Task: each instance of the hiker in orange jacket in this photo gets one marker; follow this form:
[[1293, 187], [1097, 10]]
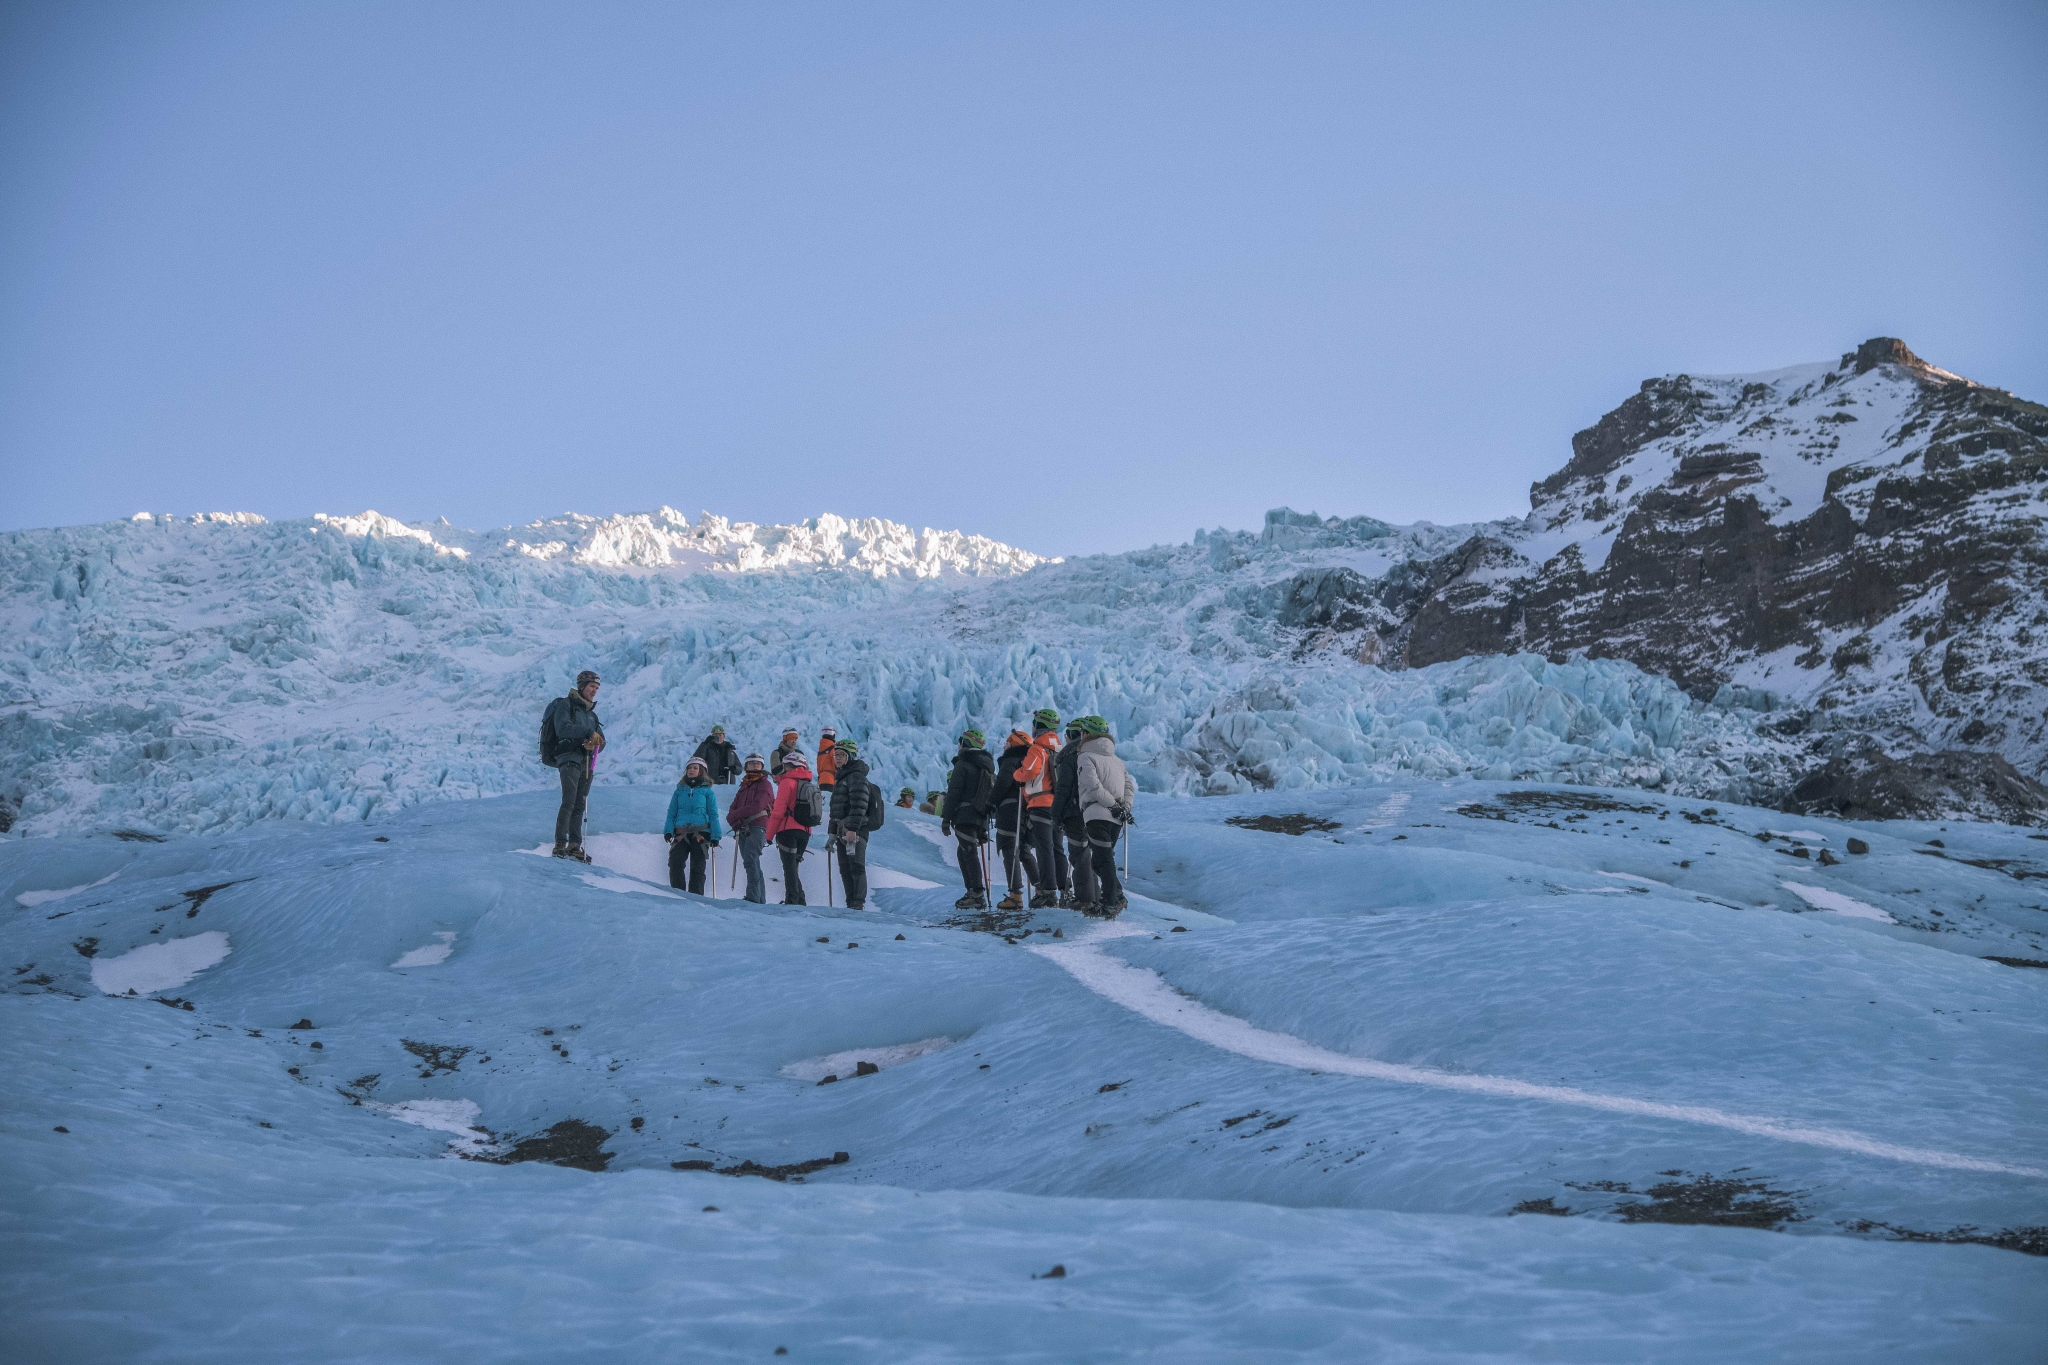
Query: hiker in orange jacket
[[828, 758], [1054, 880]]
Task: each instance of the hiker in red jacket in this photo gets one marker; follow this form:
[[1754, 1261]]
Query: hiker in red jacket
[[748, 817], [790, 823]]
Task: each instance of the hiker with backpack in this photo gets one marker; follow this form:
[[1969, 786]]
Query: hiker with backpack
[[1105, 792], [968, 792], [1035, 777], [748, 815], [827, 767], [692, 828], [721, 757], [857, 811], [799, 809], [792, 743], [1066, 821], [1006, 808], [570, 737]]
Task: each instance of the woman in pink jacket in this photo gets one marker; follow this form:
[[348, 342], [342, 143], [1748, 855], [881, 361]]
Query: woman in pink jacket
[[791, 822]]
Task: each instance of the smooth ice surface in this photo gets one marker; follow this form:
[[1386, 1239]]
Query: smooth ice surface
[[160, 966], [1282, 1110]]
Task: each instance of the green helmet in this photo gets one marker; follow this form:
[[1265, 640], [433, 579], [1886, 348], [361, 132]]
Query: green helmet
[[1045, 718], [973, 739], [1091, 726], [848, 747]]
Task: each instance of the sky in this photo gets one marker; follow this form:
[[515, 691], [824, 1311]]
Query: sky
[[1079, 277]]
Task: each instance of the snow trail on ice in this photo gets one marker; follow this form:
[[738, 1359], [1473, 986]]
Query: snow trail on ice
[[443, 1116], [844, 1063], [1821, 898], [429, 955], [1146, 993], [31, 899], [159, 966]]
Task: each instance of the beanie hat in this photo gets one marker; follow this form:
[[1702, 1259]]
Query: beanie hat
[[848, 747], [788, 730], [1091, 725], [1046, 718], [973, 738], [906, 792], [693, 763], [828, 730], [718, 729], [754, 758], [586, 676]]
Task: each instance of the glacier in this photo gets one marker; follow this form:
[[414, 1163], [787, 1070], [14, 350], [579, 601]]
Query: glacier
[[171, 675], [1470, 1069]]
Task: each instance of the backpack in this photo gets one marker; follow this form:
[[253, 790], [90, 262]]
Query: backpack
[[805, 809], [877, 809], [984, 789], [547, 734]]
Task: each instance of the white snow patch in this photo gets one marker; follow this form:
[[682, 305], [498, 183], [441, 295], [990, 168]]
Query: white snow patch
[[844, 1064], [1807, 834], [429, 955], [1146, 993], [31, 899], [626, 884], [159, 966], [1632, 877], [1820, 898], [444, 1116], [931, 833], [880, 877]]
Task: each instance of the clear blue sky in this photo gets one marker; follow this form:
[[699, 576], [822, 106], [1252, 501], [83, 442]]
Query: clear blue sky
[[1079, 277]]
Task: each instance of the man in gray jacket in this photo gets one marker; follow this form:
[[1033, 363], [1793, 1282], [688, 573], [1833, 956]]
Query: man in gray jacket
[[1104, 791], [570, 736]]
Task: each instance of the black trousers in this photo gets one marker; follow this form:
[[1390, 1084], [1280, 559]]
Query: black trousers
[[687, 854], [968, 840], [853, 871], [790, 844], [1102, 837], [1048, 866], [1083, 862], [1014, 858], [575, 792]]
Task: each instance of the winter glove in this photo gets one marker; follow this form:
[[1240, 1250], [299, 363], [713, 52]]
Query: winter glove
[[946, 828], [1122, 814]]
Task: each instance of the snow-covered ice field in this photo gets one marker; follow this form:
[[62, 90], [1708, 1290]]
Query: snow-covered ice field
[[1288, 1107]]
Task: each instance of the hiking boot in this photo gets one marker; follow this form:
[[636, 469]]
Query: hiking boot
[[1043, 900], [1112, 908], [1083, 908], [1066, 901], [561, 851], [1013, 901], [576, 852], [973, 900]]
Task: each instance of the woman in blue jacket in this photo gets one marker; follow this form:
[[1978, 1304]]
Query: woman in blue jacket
[[692, 828]]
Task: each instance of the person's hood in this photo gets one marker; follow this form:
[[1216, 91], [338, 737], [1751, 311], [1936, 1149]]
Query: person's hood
[[1108, 742]]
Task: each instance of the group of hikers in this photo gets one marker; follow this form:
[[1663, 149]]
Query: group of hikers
[[1056, 811]]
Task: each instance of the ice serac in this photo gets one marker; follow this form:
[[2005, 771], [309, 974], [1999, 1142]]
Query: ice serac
[[1821, 586]]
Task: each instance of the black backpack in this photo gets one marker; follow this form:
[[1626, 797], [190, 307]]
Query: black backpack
[[806, 809], [548, 741], [877, 809]]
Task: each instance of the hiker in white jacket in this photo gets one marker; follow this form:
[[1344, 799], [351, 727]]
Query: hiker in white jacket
[[1105, 792]]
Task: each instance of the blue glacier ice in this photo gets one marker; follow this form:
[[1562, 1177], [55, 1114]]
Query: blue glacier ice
[[1285, 1108]]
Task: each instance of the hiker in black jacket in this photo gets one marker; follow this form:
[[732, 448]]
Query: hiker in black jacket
[[1066, 821], [1004, 809], [851, 797], [570, 736], [968, 792], [721, 757]]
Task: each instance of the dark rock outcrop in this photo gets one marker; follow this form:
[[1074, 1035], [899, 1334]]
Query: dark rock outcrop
[[1870, 785]]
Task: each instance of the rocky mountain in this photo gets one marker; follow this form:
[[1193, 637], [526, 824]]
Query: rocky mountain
[[1862, 546]]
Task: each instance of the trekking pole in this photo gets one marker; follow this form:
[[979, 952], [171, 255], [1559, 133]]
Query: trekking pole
[[734, 880], [828, 873], [714, 872]]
